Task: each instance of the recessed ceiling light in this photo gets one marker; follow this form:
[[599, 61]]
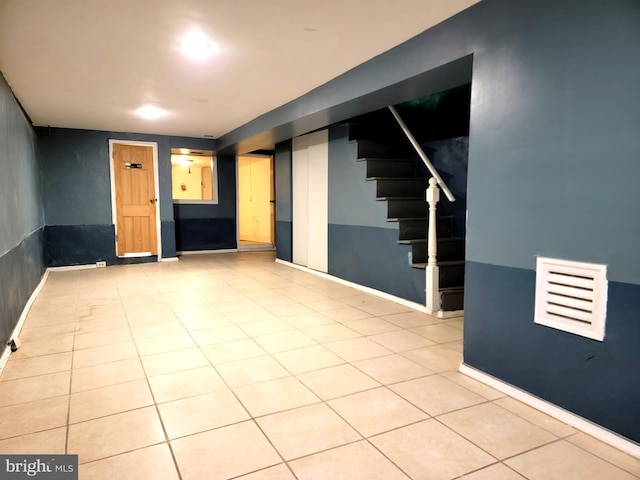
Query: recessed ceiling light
[[150, 112], [197, 46]]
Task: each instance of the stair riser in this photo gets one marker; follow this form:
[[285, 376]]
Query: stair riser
[[451, 301], [391, 168], [368, 149], [407, 208], [416, 229], [451, 276], [448, 251], [401, 188]]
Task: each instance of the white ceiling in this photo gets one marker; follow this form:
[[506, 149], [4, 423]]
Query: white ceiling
[[91, 63]]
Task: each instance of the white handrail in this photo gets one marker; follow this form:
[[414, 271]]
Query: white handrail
[[422, 155]]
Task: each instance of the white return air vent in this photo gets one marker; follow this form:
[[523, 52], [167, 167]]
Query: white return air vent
[[571, 296]]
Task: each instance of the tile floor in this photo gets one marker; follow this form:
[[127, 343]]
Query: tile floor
[[233, 366]]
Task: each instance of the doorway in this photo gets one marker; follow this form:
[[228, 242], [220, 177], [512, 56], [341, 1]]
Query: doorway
[[135, 206], [256, 202]]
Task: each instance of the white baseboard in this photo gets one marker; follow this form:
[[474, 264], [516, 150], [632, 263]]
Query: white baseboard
[[450, 313], [205, 252], [72, 267], [169, 259], [369, 290], [4, 358], [597, 431]]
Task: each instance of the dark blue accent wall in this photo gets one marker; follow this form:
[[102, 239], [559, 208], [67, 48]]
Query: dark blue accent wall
[[209, 226], [21, 218], [284, 213], [77, 192], [553, 168]]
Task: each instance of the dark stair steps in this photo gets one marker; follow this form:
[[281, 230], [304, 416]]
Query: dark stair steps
[[400, 187], [407, 208], [416, 228], [368, 148], [452, 299], [390, 167], [449, 249]]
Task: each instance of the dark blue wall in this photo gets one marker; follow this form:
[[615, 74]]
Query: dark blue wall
[[208, 226], [284, 198], [553, 168], [21, 218], [77, 192]]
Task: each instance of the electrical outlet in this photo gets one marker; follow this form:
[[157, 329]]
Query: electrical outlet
[[101, 264]]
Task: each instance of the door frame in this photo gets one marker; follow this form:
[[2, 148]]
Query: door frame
[[156, 186]]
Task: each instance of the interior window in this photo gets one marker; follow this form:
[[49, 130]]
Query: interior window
[[194, 176]]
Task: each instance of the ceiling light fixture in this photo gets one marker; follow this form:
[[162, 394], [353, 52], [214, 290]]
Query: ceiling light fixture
[[197, 46], [150, 112], [185, 161]]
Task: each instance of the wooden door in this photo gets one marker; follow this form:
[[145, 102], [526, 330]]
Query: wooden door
[[135, 200]]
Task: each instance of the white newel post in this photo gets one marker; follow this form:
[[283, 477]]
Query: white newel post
[[432, 280]]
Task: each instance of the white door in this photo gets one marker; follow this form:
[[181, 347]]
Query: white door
[[311, 200]]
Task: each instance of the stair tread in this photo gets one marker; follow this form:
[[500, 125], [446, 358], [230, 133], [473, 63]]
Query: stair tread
[[382, 159], [451, 290], [399, 198], [413, 179], [409, 241]]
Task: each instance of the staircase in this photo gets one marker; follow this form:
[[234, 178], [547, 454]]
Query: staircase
[[401, 181]]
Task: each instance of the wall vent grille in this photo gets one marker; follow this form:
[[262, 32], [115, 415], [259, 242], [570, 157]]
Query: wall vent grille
[[571, 296]]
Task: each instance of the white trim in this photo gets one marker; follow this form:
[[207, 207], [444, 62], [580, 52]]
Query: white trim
[[561, 414], [369, 290], [156, 186], [137, 254], [73, 267], [205, 252], [170, 259], [450, 313], [4, 358]]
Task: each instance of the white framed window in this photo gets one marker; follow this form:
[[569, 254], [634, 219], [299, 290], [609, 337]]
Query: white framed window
[[194, 176], [571, 296]]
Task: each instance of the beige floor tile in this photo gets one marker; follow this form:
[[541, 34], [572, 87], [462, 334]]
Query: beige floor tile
[[562, 460], [106, 374], [376, 411], [456, 322], [172, 327], [392, 369], [168, 362], [239, 313], [370, 326], [306, 430], [211, 336], [401, 340], [383, 308], [355, 349], [496, 430], [104, 354], [200, 413], [275, 396], [345, 315], [333, 332], [224, 453], [34, 388], [428, 450], [187, 383], [357, 461], [494, 472], [49, 441], [37, 348], [265, 327], [285, 310], [279, 472], [29, 334], [436, 395], [327, 305], [100, 324], [606, 452], [104, 401], [536, 417], [43, 320], [410, 319], [308, 359], [284, 341], [164, 343], [233, 350], [153, 462], [337, 381], [251, 370], [473, 385], [30, 367], [308, 320], [105, 337], [107, 436], [356, 299], [31, 417], [436, 358], [439, 333]]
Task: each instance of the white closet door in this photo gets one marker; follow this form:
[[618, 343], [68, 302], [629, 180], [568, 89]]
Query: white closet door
[[311, 200]]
